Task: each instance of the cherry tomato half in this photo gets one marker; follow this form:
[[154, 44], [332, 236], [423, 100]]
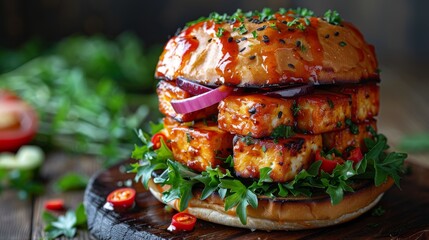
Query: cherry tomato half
[[156, 140], [54, 204], [18, 122], [355, 155], [328, 165], [122, 197], [183, 221]]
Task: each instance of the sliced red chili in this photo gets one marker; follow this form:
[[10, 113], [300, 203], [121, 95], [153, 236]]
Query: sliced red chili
[[156, 140], [328, 164], [122, 197], [183, 221], [54, 204]]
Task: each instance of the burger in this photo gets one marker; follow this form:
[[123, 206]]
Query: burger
[[270, 122]]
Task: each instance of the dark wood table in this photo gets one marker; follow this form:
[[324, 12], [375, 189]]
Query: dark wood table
[[404, 99]]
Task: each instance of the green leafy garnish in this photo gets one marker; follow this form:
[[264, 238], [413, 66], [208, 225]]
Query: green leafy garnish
[[376, 166], [332, 17], [65, 225], [219, 32]]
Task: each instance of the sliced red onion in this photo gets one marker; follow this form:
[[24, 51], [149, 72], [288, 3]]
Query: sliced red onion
[[191, 87], [291, 92], [201, 101]]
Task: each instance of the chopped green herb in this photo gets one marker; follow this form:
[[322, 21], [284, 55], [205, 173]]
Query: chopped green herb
[[264, 148], [189, 138], [254, 34], [331, 104], [354, 129], [295, 108], [273, 26], [219, 32], [332, 17], [282, 131], [242, 29], [248, 140], [342, 44]]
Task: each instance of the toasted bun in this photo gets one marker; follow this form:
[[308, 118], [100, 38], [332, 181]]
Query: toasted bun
[[285, 213], [322, 53]]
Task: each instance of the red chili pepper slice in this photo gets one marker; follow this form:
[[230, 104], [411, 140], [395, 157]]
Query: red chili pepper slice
[[183, 221], [54, 204], [122, 197], [156, 140], [328, 165]]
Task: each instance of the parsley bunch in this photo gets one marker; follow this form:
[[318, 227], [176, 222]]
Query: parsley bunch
[[377, 166]]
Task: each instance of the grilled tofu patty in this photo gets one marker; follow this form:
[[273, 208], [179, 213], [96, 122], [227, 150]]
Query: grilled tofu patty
[[352, 136], [198, 146], [365, 100], [322, 112], [286, 157], [254, 115], [168, 91]]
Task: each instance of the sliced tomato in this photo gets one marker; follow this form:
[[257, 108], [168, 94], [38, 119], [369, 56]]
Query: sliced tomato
[[355, 155], [328, 164], [122, 197], [156, 140], [54, 204], [183, 221], [8, 96], [18, 123]]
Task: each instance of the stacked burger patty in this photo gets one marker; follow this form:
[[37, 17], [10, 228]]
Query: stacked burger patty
[[261, 131], [297, 83]]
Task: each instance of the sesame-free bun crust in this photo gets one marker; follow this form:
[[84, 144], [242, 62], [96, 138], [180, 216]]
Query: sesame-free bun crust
[[322, 53], [290, 213]]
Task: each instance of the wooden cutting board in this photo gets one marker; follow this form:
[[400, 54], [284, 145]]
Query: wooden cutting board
[[406, 215]]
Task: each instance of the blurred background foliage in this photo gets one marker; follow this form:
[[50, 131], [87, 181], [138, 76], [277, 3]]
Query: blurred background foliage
[[90, 92]]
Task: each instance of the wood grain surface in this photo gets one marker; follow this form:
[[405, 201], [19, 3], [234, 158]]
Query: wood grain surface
[[406, 215]]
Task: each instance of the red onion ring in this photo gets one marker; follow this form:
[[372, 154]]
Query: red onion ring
[[192, 87], [201, 101]]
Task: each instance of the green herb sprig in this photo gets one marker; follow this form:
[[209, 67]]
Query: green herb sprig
[[332, 17], [64, 225]]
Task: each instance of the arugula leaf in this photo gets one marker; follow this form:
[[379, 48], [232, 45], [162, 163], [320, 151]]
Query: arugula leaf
[[155, 128], [177, 176], [210, 179], [71, 181], [239, 196]]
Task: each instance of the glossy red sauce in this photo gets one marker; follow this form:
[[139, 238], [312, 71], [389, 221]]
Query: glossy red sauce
[[309, 56]]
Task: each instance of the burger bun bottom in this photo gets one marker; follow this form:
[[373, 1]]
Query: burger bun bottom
[[289, 213]]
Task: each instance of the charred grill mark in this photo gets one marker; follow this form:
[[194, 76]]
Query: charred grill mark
[[295, 144]]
